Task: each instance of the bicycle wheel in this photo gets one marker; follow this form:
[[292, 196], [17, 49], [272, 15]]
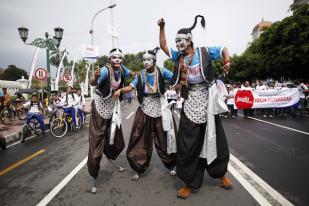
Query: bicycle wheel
[[5, 116], [58, 127], [21, 114], [24, 133], [35, 125]]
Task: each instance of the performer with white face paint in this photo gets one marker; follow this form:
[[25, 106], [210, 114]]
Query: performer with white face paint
[[107, 80], [198, 148], [147, 126]]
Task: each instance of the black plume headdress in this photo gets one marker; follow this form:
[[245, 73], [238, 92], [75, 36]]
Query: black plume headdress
[[188, 30], [152, 53]]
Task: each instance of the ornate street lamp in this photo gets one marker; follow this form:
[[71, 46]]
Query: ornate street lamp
[[48, 43]]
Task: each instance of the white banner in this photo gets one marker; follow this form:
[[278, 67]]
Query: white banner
[[247, 99], [88, 51], [86, 79], [72, 72], [58, 75], [34, 59], [112, 31]]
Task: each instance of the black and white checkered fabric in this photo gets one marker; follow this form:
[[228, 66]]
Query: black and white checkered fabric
[[104, 106], [195, 107], [152, 106]]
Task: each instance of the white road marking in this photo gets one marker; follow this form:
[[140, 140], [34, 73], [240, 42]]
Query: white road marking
[[258, 196], [27, 138], [276, 195], [130, 115], [61, 185], [278, 125], [252, 191]]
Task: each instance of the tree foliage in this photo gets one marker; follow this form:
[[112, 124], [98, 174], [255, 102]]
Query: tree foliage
[[55, 58], [13, 73], [281, 51]]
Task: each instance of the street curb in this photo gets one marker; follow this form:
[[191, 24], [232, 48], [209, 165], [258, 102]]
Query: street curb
[[14, 137]]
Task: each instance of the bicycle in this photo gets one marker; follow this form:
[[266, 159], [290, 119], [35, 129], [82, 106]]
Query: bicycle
[[9, 114], [33, 127], [59, 125]]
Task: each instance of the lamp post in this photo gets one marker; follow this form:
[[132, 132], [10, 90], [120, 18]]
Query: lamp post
[[48, 43], [91, 26]]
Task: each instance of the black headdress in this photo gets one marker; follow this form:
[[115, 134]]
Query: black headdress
[[152, 53], [186, 32]]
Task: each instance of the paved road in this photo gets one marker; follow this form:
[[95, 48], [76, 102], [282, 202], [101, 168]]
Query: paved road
[[279, 156], [275, 154]]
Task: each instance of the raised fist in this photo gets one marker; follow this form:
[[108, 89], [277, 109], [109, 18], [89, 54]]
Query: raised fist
[[161, 22], [97, 72]]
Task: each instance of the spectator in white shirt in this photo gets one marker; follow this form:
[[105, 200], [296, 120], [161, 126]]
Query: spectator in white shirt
[[69, 101], [246, 86], [230, 101], [301, 88], [34, 110], [80, 105]]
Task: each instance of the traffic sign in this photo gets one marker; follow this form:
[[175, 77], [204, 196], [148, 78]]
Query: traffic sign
[[40, 73], [66, 77]]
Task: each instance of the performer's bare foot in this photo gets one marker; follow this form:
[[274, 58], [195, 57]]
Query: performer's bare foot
[[120, 169], [226, 183], [94, 189], [173, 172], [135, 177], [184, 192]]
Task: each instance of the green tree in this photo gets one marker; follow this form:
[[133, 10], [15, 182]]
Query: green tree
[[55, 58], [281, 51], [169, 64], [13, 73]]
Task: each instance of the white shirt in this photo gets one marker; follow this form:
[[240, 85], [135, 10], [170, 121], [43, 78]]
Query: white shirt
[[230, 100], [262, 87], [34, 109], [246, 88], [301, 89], [80, 103], [71, 102]]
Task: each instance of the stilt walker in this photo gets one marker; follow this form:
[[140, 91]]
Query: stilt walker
[[201, 141], [107, 80], [147, 126]]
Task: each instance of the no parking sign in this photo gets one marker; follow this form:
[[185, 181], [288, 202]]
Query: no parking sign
[[66, 77], [40, 73]]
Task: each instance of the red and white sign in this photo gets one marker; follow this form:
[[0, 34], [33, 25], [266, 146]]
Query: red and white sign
[[40, 73], [66, 77], [244, 99], [247, 99]]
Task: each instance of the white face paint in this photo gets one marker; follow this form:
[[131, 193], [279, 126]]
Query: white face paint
[[148, 62], [116, 60], [182, 44]]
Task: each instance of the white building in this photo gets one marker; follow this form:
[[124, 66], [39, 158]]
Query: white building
[[13, 86], [258, 29]]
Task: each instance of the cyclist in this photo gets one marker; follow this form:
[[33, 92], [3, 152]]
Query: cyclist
[[7, 101], [7, 98], [80, 105], [35, 109], [69, 101], [56, 103]]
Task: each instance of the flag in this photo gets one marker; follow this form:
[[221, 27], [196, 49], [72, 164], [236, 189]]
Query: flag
[[112, 31]]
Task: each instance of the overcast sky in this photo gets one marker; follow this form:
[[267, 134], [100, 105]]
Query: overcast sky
[[228, 23]]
